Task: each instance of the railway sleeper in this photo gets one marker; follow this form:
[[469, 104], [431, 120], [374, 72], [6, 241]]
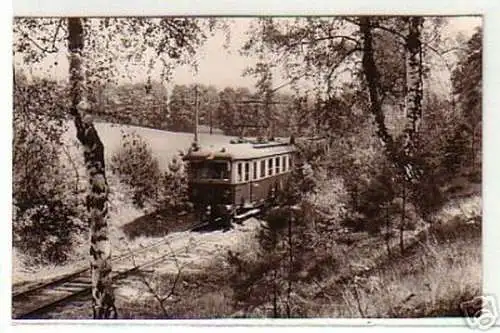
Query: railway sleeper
[[85, 281], [74, 284], [70, 289]]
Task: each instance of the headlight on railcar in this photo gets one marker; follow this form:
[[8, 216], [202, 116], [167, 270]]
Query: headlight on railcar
[[226, 195]]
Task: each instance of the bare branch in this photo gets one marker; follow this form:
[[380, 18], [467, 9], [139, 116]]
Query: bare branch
[[59, 25], [301, 43], [392, 31], [353, 21], [148, 285], [377, 26], [38, 46], [53, 48], [288, 83], [174, 285], [72, 162], [336, 66]]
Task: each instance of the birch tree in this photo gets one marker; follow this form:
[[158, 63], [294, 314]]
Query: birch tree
[[103, 302]]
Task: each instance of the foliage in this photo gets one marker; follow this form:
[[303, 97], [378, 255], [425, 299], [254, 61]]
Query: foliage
[[287, 243], [48, 211], [119, 46], [174, 188], [47, 232], [467, 80], [183, 102], [464, 145], [132, 104], [136, 166]]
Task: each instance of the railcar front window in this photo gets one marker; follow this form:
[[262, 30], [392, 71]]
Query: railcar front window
[[213, 170], [270, 166]]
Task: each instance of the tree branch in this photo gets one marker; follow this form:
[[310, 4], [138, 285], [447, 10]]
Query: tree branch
[[377, 26], [72, 162], [336, 66], [53, 48], [38, 46], [301, 43], [392, 31], [149, 286]]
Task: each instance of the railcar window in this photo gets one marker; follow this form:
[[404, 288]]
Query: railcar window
[[240, 173], [262, 168], [277, 165], [247, 171], [284, 163], [289, 163], [270, 167], [254, 170], [214, 170]]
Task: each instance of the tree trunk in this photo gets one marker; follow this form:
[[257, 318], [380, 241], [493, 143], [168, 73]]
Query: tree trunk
[[275, 294], [403, 218], [387, 230], [414, 89], [290, 264], [403, 160], [97, 198], [373, 80]]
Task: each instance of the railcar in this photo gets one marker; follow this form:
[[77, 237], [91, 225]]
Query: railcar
[[237, 179]]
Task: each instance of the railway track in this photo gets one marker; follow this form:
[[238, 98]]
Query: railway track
[[32, 302]]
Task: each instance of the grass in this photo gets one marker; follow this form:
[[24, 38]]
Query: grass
[[441, 270], [433, 283]]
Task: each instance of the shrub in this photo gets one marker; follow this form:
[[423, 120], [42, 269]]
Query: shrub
[[47, 232], [173, 194], [368, 207], [47, 214], [136, 166]]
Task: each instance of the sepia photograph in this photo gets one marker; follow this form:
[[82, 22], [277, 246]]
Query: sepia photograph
[[224, 167]]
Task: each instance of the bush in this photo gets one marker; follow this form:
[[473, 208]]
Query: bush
[[369, 204], [173, 194], [136, 166], [47, 214], [47, 232]]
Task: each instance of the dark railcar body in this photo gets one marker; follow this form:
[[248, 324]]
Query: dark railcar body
[[239, 175]]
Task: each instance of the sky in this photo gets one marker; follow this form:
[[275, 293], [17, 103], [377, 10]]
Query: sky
[[220, 67], [213, 58]]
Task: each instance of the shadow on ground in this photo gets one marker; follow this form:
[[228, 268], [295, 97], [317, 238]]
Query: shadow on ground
[[161, 223], [158, 224]]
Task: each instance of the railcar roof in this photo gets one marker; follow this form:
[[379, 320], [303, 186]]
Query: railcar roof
[[241, 151]]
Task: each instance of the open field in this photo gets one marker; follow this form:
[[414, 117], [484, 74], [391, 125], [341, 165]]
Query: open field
[[164, 144]]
